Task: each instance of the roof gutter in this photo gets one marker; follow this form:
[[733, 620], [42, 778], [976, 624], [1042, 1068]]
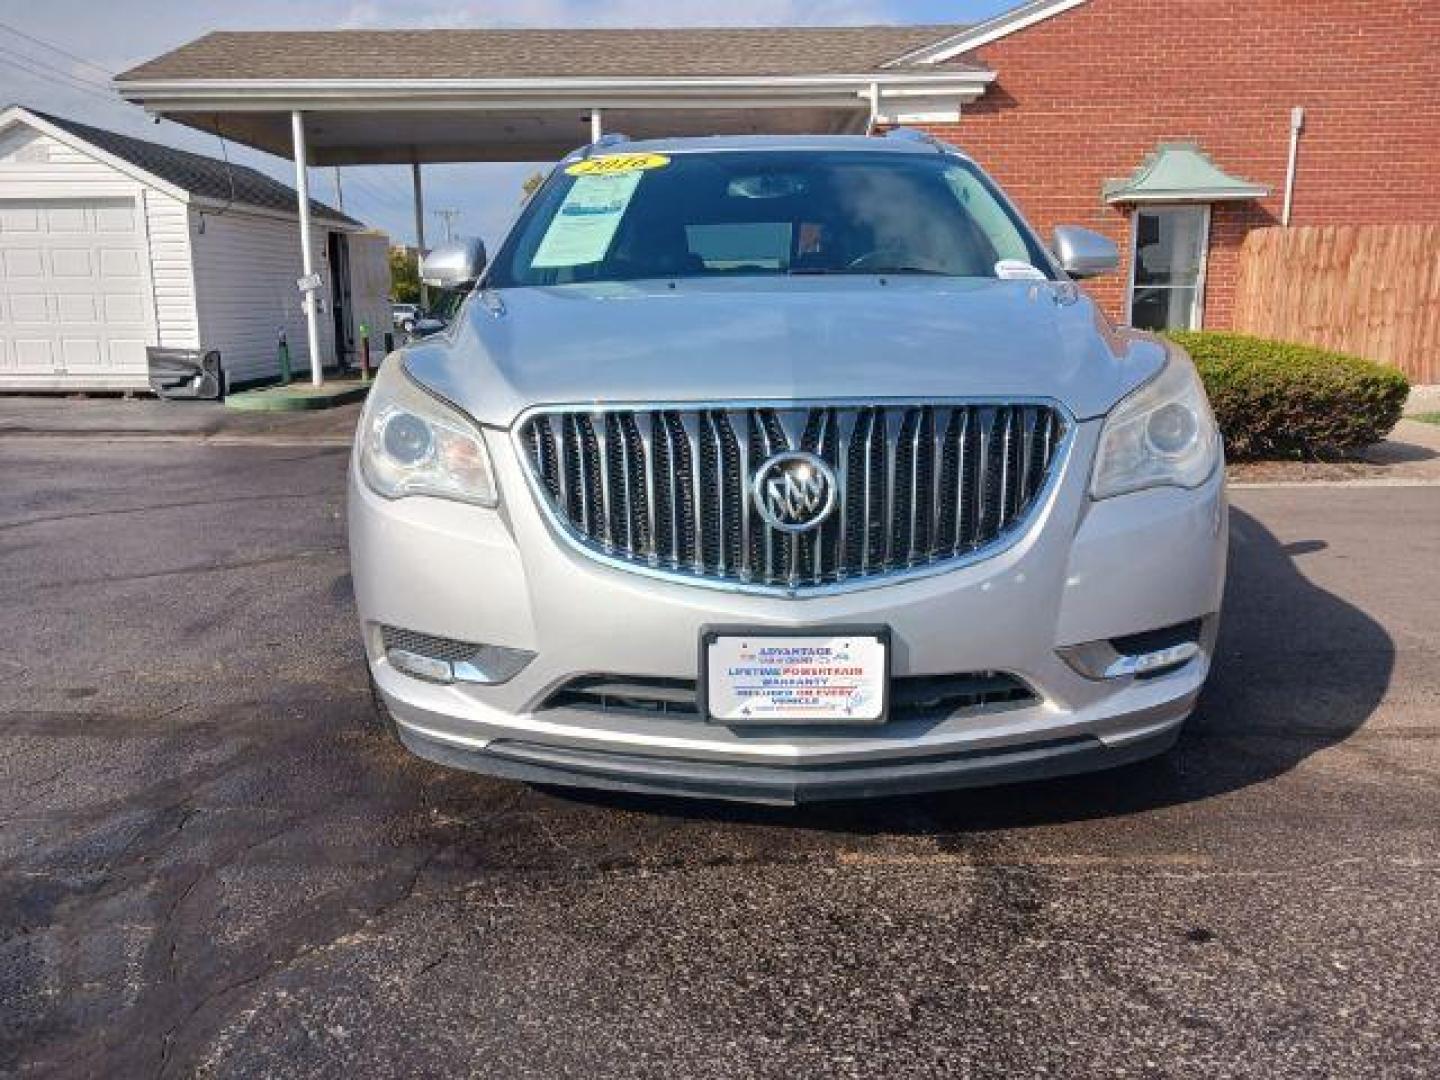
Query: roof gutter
[[983, 33], [270, 94]]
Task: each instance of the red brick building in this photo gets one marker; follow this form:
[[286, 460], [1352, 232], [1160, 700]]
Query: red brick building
[[1085, 90], [1167, 125]]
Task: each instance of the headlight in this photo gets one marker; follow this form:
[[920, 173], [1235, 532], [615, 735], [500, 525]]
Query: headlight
[[412, 443], [1163, 434]]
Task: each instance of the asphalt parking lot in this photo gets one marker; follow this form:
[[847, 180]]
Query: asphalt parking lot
[[210, 864]]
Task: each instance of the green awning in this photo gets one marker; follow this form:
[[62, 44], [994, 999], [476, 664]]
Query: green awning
[[1181, 172]]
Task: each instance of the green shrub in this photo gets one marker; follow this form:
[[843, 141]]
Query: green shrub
[[1274, 399]]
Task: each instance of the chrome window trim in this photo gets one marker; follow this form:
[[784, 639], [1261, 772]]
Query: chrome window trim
[[1021, 528]]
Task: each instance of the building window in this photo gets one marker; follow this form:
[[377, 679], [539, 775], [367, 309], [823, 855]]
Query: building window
[[1167, 267]]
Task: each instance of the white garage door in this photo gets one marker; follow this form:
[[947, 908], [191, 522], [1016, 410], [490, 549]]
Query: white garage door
[[73, 293]]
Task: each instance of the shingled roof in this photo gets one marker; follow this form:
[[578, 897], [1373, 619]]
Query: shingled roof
[[197, 174], [538, 54]]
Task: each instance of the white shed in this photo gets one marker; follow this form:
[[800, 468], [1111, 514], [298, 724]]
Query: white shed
[[110, 244]]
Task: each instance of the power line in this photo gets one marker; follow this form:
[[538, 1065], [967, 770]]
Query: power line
[[59, 78], [57, 49], [375, 195], [390, 182], [61, 73]]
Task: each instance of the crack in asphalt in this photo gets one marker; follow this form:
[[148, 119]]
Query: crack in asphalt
[[279, 965], [83, 515], [192, 571]]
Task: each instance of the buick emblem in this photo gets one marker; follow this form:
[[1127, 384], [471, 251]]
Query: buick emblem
[[794, 491]]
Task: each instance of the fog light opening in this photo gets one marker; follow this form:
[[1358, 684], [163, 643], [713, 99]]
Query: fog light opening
[[1145, 655], [445, 660], [1149, 664], [421, 667]]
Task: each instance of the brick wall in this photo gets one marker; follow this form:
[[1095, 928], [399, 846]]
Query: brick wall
[[1085, 95]]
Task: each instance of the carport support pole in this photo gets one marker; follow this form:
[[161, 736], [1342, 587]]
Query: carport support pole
[[597, 125], [302, 193], [420, 229]]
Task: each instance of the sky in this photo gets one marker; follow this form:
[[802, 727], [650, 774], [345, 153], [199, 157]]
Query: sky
[[57, 55]]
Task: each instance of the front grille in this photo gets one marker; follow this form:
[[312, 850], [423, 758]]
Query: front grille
[[916, 697], [669, 489], [617, 693]]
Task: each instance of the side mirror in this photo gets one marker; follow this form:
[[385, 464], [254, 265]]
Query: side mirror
[[455, 265], [426, 326], [1084, 253]]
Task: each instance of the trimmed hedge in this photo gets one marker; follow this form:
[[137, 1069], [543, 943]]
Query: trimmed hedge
[[1275, 399]]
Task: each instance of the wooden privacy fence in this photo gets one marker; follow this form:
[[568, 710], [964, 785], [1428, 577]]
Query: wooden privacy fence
[[1369, 290]]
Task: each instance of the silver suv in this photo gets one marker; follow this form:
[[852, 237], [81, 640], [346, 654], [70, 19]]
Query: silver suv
[[783, 469]]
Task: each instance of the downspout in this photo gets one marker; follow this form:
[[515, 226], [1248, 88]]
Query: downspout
[[1297, 123]]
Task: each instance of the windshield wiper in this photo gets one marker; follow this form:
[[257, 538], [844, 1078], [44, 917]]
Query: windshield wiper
[[867, 271]]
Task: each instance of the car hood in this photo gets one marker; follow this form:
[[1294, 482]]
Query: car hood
[[790, 338]]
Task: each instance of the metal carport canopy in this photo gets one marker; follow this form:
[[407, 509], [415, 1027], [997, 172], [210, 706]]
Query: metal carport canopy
[[360, 97], [396, 97]]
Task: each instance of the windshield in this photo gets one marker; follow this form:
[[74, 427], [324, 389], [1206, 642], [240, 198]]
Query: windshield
[[621, 217]]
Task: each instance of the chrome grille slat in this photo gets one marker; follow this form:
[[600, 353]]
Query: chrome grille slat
[[690, 427], [669, 488], [869, 493], [647, 451], [912, 542], [673, 473], [583, 458], [889, 463], [626, 496], [600, 424], [742, 445], [1002, 501], [562, 442], [722, 492], [846, 423], [962, 475], [939, 432], [985, 427]]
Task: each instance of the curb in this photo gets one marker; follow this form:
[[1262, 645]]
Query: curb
[[295, 399], [1359, 482]]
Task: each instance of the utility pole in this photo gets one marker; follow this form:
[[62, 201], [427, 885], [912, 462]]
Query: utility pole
[[448, 218], [420, 229], [339, 192]]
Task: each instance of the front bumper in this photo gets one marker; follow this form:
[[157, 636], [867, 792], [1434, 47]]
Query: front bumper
[[538, 763], [1083, 572]]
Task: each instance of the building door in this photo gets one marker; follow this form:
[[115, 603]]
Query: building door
[[339, 254], [1167, 267], [74, 299]]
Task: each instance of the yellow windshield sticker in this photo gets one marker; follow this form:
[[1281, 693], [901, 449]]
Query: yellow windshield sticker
[[610, 164]]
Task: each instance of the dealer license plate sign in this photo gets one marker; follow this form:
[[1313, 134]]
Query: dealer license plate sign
[[770, 678]]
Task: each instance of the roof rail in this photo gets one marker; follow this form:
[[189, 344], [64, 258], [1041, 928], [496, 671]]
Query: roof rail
[[613, 138], [910, 134], [610, 138]]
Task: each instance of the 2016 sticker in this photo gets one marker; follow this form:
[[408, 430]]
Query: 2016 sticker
[[610, 164]]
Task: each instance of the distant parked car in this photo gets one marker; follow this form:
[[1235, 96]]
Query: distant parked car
[[405, 316]]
